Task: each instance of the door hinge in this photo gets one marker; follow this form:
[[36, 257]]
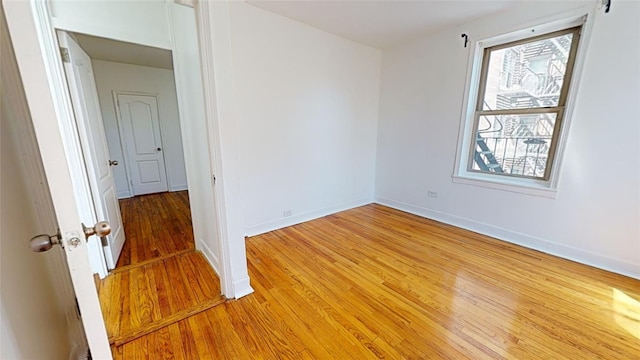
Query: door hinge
[[214, 179], [64, 53]]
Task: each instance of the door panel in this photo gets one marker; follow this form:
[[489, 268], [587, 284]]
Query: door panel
[[140, 133], [84, 97], [37, 54]]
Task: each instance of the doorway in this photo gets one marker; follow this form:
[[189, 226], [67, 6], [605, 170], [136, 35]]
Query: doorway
[[165, 25], [122, 109], [130, 90]]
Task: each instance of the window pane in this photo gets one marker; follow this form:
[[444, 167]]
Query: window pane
[[513, 144], [528, 75]]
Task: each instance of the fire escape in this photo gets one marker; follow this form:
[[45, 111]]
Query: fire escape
[[531, 76]]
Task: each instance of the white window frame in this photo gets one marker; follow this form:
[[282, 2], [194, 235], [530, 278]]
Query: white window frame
[[537, 187]]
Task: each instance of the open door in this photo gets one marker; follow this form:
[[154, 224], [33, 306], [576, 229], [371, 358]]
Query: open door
[[42, 74], [84, 95]]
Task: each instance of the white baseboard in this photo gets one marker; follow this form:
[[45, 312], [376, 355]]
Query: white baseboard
[[179, 187], [209, 255], [242, 288], [304, 217], [550, 247], [124, 194]]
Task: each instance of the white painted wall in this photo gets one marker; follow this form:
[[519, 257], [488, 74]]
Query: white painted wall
[[307, 109], [196, 138], [113, 76], [594, 218], [137, 21]]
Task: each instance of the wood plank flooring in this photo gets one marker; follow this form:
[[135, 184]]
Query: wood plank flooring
[[160, 279], [166, 216], [373, 283], [139, 300]]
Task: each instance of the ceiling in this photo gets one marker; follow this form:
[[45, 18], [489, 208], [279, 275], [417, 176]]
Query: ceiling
[[380, 24], [384, 23], [128, 53]]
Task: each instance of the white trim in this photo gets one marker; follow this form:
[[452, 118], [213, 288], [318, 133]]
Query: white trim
[[242, 288], [546, 246], [303, 217], [209, 254], [124, 194], [178, 187], [584, 16], [505, 183]]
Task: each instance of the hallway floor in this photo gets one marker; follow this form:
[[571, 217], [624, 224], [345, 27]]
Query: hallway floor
[[165, 215], [160, 278]]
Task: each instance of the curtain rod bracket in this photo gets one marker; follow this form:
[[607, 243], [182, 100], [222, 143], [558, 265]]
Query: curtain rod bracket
[[466, 39]]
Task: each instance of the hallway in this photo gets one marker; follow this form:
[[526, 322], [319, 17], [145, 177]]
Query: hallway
[[160, 278], [165, 215]]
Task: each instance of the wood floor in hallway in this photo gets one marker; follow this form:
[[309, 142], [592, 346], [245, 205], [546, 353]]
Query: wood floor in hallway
[[373, 283], [161, 279], [165, 215]]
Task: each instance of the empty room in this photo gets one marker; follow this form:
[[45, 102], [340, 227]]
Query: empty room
[[366, 180]]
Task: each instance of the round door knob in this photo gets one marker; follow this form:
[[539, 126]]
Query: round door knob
[[159, 149], [43, 242], [113, 162], [100, 229]]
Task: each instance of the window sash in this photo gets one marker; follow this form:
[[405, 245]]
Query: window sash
[[552, 145], [558, 110]]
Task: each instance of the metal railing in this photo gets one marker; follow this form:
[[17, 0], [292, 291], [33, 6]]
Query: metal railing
[[525, 156]]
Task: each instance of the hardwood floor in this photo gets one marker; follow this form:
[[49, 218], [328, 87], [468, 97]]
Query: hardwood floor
[[162, 279], [166, 216], [143, 298], [374, 282]]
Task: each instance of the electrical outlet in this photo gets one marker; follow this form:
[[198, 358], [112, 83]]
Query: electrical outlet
[[286, 213], [433, 194]]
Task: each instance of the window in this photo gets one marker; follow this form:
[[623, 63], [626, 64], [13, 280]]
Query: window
[[520, 105]]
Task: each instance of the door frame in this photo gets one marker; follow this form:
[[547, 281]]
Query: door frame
[[45, 30], [123, 146], [50, 103]]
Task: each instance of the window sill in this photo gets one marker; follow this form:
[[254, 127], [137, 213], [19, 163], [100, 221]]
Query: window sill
[[516, 185]]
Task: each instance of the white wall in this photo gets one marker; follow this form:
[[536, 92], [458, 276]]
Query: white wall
[[113, 76], [594, 218], [307, 108], [137, 21]]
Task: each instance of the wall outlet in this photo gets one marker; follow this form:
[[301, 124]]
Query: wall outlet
[[433, 194], [286, 213]]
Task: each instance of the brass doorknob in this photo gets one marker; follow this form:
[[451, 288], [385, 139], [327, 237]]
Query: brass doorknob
[[100, 229], [44, 242]]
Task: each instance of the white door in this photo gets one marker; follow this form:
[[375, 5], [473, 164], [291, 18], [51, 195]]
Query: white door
[[84, 96], [140, 133], [41, 71]]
